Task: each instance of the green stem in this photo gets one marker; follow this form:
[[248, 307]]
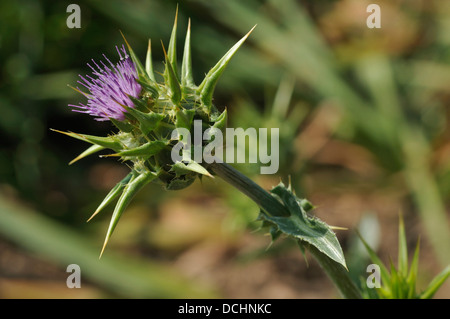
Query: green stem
[[248, 187], [336, 272]]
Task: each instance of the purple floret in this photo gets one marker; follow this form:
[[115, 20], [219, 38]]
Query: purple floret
[[109, 87]]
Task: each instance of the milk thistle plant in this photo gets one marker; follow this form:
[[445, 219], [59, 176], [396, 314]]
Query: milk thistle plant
[[147, 112]]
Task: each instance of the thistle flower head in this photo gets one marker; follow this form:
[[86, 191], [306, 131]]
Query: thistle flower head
[[146, 113], [109, 88]]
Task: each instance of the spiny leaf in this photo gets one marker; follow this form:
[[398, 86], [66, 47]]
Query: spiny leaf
[[142, 73], [122, 125], [147, 121], [275, 233], [112, 194], [301, 245], [91, 150], [107, 142], [177, 183], [172, 80], [187, 79], [145, 150], [206, 88], [139, 104], [149, 88], [171, 57], [307, 229], [184, 118], [221, 121], [149, 62], [181, 168], [283, 97], [308, 206], [137, 182]]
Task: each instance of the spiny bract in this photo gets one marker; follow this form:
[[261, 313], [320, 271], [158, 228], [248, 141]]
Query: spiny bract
[[146, 113]]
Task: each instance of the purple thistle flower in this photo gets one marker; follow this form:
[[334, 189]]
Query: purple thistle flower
[[109, 89]]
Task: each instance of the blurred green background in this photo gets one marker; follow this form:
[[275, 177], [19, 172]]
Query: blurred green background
[[364, 135]]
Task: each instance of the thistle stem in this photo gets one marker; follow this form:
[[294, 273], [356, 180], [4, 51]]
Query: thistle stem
[[336, 272], [248, 187]]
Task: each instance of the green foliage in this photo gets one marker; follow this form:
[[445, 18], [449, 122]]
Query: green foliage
[[387, 101], [400, 282], [370, 75], [298, 225], [145, 137], [137, 181], [130, 277]]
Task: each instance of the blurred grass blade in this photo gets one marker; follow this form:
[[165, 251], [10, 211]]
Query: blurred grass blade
[[402, 249], [128, 277], [394, 282], [385, 277], [413, 270], [283, 97], [435, 284], [424, 186]]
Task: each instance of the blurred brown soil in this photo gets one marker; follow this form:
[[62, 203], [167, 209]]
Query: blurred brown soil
[[194, 234]]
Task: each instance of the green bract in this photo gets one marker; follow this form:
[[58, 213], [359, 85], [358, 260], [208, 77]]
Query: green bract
[[145, 136]]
